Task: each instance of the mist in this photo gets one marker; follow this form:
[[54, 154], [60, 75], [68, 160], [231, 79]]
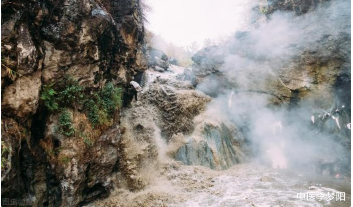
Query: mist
[[282, 135], [183, 22]]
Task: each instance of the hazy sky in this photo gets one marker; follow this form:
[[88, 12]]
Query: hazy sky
[[184, 21]]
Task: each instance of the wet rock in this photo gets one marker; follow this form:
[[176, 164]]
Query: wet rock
[[219, 148], [196, 153]]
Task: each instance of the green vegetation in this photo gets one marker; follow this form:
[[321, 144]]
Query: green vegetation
[[71, 93], [65, 123], [87, 140], [67, 93], [95, 111], [111, 97], [4, 155], [100, 108], [62, 94], [49, 97]]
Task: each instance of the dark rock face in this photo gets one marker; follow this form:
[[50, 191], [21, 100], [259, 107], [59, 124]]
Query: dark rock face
[[93, 42]]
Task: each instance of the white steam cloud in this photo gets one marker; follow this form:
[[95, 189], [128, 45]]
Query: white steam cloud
[[283, 136]]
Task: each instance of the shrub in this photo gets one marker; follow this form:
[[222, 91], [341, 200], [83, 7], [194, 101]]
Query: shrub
[[111, 96], [64, 93], [49, 97], [71, 92], [65, 123], [92, 111], [100, 107]]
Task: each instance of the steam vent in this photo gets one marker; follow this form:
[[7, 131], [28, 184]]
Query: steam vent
[[180, 103]]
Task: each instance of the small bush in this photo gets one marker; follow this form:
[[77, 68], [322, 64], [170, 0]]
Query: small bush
[[92, 108], [64, 93], [101, 107], [71, 92], [65, 123], [111, 96], [49, 97]]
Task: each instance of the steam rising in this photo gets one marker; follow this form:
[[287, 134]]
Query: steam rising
[[282, 136]]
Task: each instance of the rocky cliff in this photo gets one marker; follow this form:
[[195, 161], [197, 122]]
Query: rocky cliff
[[71, 132], [65, 67]]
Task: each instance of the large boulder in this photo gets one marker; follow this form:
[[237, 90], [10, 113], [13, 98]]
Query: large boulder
[[178, 106], [21, 99]]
